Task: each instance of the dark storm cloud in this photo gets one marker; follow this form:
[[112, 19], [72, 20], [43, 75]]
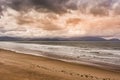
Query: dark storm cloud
[[52, 5], [55, 5], [95, 7]]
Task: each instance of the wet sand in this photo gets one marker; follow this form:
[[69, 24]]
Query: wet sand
[[15, 66]]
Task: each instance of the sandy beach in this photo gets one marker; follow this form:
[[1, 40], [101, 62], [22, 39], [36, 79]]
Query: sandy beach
[[16, 66]]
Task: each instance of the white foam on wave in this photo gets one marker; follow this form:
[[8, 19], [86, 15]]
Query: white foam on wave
[[76, 53]]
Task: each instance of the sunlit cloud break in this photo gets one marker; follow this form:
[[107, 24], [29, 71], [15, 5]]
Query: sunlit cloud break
[[60, 18]]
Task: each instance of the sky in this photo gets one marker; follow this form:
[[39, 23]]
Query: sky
[[60, 18]]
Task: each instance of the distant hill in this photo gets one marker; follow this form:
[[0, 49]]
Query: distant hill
[[88, 39], [6, 38], [114, 39], [69, 39], [44, 39]]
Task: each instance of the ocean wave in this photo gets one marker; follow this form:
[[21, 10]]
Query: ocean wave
[[69, 53]]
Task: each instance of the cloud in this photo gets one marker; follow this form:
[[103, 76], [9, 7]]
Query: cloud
[[94, 7], [43, 18], [50, 5]]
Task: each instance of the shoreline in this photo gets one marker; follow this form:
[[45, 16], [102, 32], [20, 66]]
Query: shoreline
[[72, 54], [100, 65], [58, 70]]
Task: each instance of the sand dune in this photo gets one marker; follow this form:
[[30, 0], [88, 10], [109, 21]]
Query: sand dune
[[14, 66]]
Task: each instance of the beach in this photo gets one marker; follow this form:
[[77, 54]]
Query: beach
[[59, 39], [15, 66]]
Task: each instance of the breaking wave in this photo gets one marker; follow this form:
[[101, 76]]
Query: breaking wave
[[93, 56]]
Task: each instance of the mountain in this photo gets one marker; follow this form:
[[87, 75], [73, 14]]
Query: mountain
[[69, 39], [44, 39], [114, 39], [6, 38], [88, 39]]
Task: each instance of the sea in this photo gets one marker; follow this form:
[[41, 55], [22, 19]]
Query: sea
[[102, 54]]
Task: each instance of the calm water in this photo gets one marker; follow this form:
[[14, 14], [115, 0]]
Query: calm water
[[86, 52]]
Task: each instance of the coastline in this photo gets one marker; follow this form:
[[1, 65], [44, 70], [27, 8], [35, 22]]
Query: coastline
[[101, 58], [28, 67]]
